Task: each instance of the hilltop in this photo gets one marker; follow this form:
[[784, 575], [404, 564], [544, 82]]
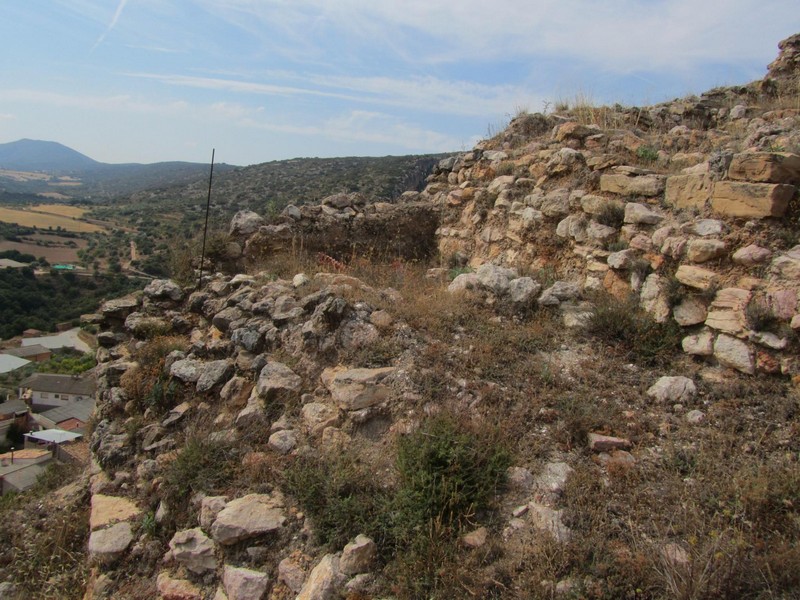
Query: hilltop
[[567, 367]]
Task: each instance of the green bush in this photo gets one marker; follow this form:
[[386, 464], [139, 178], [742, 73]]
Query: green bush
[[339, 495], [449, 471], [647, 154], [203, 465]]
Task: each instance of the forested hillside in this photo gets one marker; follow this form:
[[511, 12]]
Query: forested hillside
[[40, 302]]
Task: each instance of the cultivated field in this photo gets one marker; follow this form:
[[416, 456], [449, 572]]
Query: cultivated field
[[27, 218], [54, 254], [60, 209]]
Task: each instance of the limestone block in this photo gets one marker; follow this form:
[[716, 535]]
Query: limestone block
[[751, 200], [700, 344], [734, 353], [703, 250]]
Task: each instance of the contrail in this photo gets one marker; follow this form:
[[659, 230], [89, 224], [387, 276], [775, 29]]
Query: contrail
[[111, 25]]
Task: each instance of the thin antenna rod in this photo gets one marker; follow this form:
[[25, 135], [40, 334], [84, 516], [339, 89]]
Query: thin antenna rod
[[205, 227]]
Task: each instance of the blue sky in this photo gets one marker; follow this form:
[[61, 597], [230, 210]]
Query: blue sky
[[260, 80]]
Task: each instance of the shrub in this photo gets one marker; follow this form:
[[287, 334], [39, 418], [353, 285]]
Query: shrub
[[626, 326], [202, 465], [647, 154], [611, 214], [449, 470], [761, 318], [339, 495]]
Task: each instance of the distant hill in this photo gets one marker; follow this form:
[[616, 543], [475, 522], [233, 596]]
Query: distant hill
[[89, 179], [38, 155]]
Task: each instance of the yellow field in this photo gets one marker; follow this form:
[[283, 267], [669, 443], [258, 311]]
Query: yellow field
[[60, 209], [28, 218]]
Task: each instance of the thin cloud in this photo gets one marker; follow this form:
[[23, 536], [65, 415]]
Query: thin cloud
[[112, 24], [428, 94], [619, 35]]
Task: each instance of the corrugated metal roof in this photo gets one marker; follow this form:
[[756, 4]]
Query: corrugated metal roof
[[25, 351], [54, 435], [59, 384], [10, 363], [80, 409], [13, 406]]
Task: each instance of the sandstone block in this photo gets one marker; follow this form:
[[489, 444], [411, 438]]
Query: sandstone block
[[641, 214], [605, 443], [672, 389], [107, 545], [751, 200], [641, 185], [355, 389], [696, 277], [767, 167], [244, 584], [323, 580], [751, 255], [686, 191], [111, 509], [727, 311], [358, 556], [690, 311]]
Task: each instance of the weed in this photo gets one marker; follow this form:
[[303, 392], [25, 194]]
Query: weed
[[626, 326], [647, 154], [611, 214], [616, 246], [203, 465], [505, 168], [340, 496], [760, 317], [449, 470]]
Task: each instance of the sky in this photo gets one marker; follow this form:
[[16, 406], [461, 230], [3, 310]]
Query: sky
[[260, 80]]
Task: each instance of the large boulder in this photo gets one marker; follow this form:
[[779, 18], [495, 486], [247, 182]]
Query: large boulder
[[245, 222]]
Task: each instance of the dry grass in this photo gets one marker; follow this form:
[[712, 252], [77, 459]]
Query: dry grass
[[63, 210], [27, 218]]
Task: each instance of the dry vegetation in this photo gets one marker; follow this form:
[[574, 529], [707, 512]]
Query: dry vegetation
[[27, 218]]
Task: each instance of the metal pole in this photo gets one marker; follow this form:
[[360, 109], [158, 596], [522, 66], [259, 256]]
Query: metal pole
[[205, 227]]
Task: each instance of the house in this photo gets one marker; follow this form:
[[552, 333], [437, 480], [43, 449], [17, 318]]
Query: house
[[56, 441], [34, 352], [10, 363], [13, 411], [19, 469], [71, 417], [44, 391]]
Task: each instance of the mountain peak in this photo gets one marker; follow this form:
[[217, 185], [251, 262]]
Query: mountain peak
[[39, 155]]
